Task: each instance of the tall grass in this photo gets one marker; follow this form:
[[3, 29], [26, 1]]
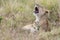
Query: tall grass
[[21, 11], [16, 13]]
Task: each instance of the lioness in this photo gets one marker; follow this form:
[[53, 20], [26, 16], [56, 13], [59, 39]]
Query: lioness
[[41, 15]]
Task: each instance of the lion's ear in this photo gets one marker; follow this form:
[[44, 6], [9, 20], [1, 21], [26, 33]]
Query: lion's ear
[[46, 11]]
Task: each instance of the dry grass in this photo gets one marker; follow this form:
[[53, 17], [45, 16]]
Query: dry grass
[[14, 14]]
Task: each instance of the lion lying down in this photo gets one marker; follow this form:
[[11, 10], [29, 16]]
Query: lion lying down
[[41, 21], [31, 28]]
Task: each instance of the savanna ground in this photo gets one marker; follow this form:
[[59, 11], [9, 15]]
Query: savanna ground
[[14, 14]]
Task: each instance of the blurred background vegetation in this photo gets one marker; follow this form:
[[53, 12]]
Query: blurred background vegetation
[[21, 11], [17, 13]]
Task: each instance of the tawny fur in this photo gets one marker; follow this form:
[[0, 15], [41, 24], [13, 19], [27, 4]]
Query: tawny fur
[[42, 18], [31, 28]]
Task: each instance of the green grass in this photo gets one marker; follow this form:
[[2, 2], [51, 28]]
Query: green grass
[[0, 19], [17, 13]]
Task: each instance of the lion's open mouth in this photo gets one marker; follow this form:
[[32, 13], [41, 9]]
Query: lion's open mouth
[[36, 10]]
